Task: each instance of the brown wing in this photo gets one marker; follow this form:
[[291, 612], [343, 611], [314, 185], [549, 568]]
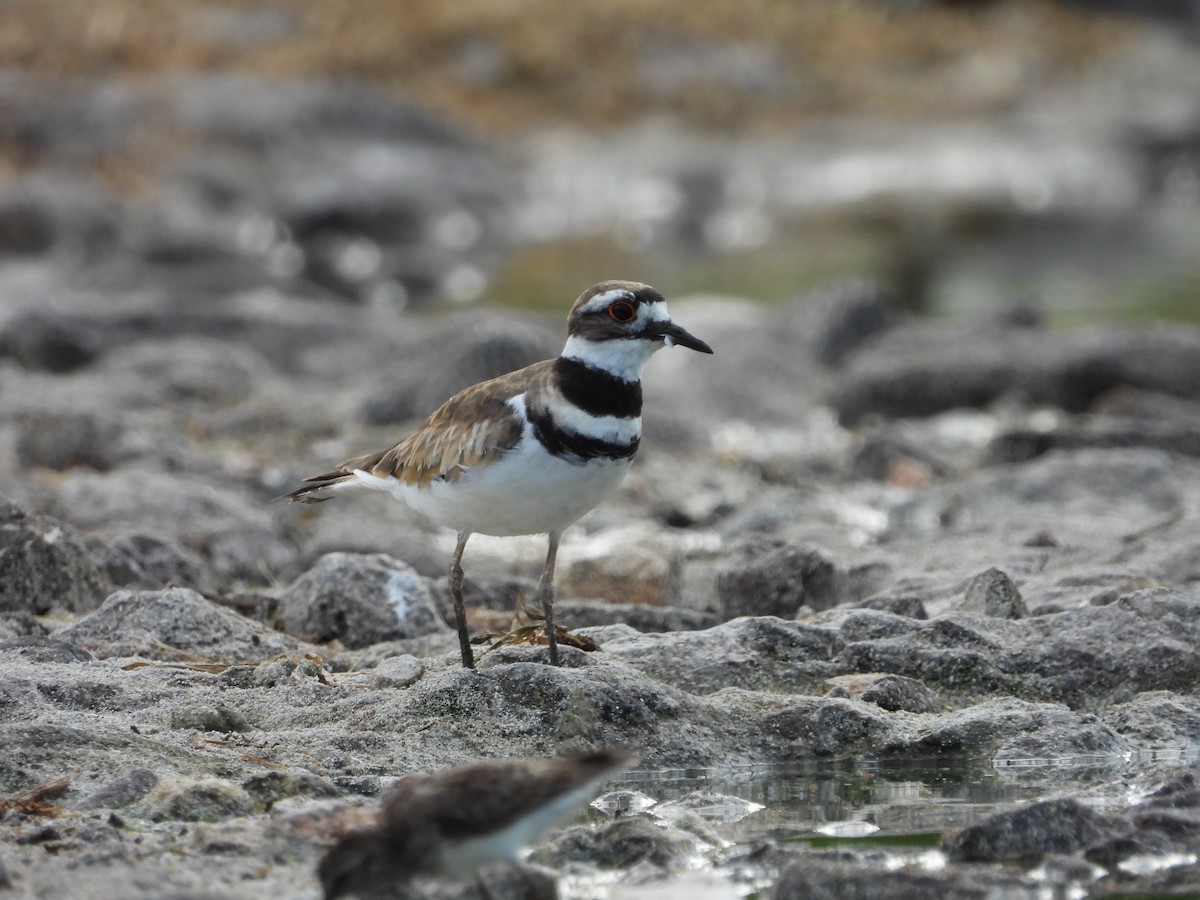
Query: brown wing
[[472, 429], [472, 800]]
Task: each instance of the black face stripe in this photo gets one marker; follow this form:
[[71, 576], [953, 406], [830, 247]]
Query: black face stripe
[[576, 448], [649, 295], [601, 328], [597, 392]]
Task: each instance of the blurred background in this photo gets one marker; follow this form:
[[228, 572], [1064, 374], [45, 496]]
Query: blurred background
[[975, 157]]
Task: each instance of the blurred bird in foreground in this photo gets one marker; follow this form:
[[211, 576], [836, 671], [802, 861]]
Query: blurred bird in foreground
[[453, 822]]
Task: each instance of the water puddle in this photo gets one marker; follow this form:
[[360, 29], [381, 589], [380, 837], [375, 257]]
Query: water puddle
[[804, 802], [897, 812]]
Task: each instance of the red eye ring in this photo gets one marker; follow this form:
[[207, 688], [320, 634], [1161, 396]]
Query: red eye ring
[[622, 311]]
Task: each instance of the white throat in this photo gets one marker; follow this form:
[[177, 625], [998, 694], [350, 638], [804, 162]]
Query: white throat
[[623, 358]]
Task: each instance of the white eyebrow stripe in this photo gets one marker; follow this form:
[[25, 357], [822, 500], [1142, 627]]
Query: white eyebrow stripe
[[601, 301]]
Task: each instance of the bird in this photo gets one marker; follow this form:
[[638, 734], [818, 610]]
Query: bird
[[532, 451], [457, 820]]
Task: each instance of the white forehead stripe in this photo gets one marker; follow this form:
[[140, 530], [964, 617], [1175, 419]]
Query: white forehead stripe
[[653, 312]]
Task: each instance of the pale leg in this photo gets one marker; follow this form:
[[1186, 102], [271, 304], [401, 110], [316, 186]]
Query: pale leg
[[456, 594], [546, 593]]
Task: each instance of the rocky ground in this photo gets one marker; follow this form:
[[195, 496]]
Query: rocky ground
[[852, 534]]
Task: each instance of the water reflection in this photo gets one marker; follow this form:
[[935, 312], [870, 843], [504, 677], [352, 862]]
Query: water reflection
[[912, 798], [890, 814]]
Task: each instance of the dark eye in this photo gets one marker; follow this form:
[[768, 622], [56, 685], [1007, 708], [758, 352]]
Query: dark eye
[[622, 311]]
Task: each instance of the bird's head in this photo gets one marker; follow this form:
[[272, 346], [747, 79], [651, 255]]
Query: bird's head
[[618, 325]]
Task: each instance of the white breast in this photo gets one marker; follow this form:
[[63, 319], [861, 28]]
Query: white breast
[[527, 491]]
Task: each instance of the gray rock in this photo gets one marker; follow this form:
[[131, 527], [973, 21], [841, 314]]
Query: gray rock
[[815, 878], [122, 791], [887, 458], [628, 569], [1181, 562], [273, 672], [75, 121], [232, 532], [618, 845], [25, 226], [1053, 826], [209, 718], [460, 353], [823, 727], [768, 576], [1142, 642], [1155, 719], [1079, 744], [65, 440], [575, 614], [359, 600], [1023, 444], [398, 672], [896, 693], [901, 604], [1078, 498], [19, 625], [919, 371], [1149, 407], [993, 593], [357, 527], [870, 578], [195, 800], [857, 624], [45, 649], [890, 692], [44, 566], [39, 752], [761, 653], [174, 624], [184, 369], [430, 205], [989, 725], [1071, 498], [147, 562], [48, 344], [923, 371], [83, 695], [268, 788], [836, 319]]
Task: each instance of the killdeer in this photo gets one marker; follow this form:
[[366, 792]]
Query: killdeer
[[455, 821], [529, 452]]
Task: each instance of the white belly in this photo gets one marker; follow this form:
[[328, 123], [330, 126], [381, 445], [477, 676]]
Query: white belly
[[527, 491]]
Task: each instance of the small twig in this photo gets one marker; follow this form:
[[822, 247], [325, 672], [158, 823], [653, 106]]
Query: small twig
[[33, 801], [1152, 527]]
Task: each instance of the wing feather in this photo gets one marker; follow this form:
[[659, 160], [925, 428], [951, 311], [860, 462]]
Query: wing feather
[[472, 429]]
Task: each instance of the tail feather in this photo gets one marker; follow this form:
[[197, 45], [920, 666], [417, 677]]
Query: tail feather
[[343, 474], [318, 483]]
